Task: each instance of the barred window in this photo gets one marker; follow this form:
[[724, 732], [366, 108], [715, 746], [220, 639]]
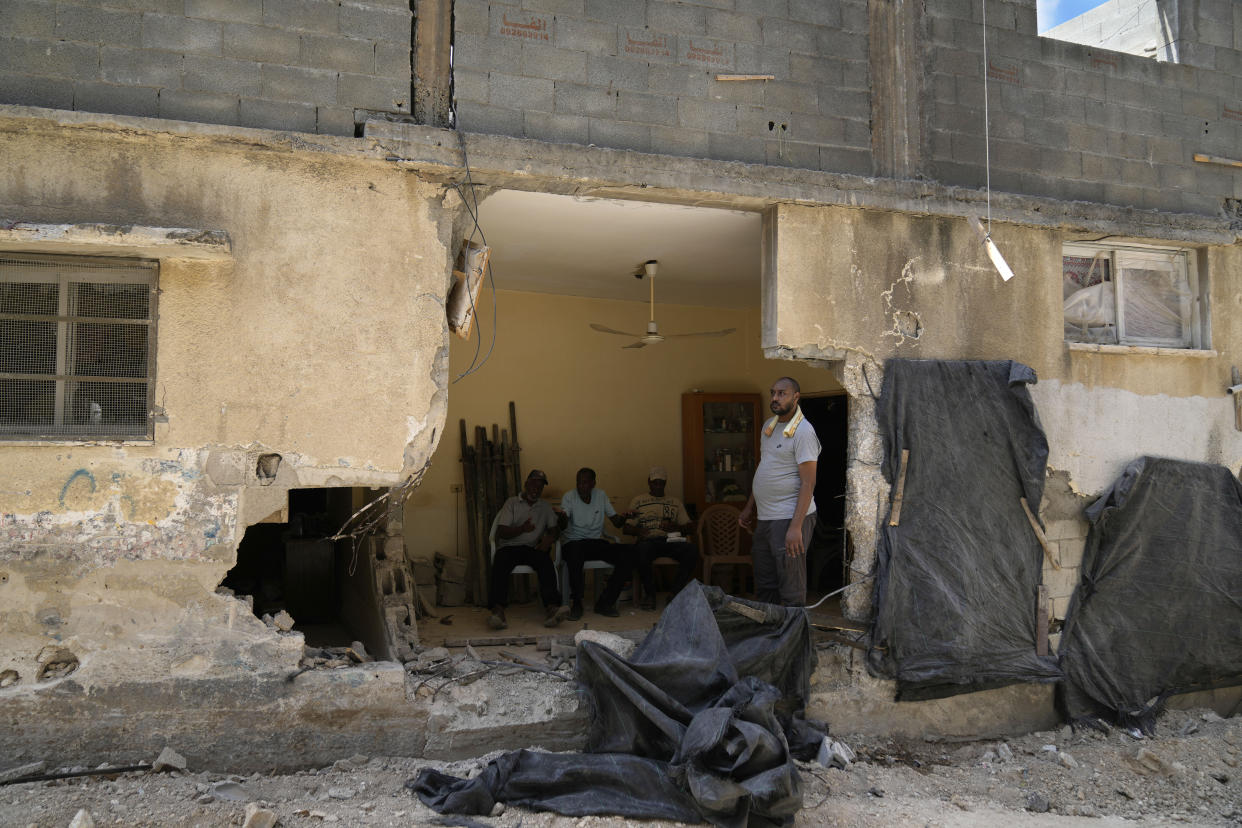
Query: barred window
[[77, 347]]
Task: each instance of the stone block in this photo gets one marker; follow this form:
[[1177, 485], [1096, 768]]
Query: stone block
[[735, 27], [562, 129], [544, 61], [608, 72], [950, 172], [649, 109], [56, 58], [815, 12], [817, 129], [737, 93], [291, 83], [682, 81], [711, 54], [762, 122], [568, 8], [304, 15], [1060, 583], [1069, 551], [828, 71], [29, 90], [698, 115], [796, 37], [264, 44], [844, 103], [762, 8], [734, 147], [392, 60], [579, 99], [369, 92], [28, 18], [372, 22], [858, 134], [230, 11], [605, 132], [519, 92], [586, 36], [334, 120], [470, 86], [617, 12], [1060, 607], [793, 154], [338, 53], [493, 120], [136, 67], [485, 53], [227, 468], [1068, 529], [470, 17], [679, 141], [1139, 173], [265, 114], [116, 100], [202, 107], [792, 97], [212, 74], [173, 33], [676, 18], [758, 59], [95, 25]]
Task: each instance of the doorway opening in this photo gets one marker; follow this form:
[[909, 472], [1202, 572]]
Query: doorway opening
[[828, 556]]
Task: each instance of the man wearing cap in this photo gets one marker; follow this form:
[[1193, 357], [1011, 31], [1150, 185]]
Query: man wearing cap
[[660, 523], [526, 528], [783, 498]]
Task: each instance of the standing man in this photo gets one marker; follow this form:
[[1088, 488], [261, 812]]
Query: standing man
[[526, 528], [585, 509], [783, 493], [655, 516]]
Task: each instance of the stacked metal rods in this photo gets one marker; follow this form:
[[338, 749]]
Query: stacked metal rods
[[492, 473]]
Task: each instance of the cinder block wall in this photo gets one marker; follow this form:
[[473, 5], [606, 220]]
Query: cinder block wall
[[640, 74], [1075, 122], [303, 65]]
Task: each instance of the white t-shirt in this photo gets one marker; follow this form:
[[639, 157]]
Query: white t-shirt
[[586, 520], [515, 512], [777, 482]]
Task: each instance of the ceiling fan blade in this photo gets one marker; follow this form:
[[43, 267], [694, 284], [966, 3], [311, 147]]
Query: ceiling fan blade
[[639, 344], [603, 329], [725, 332]]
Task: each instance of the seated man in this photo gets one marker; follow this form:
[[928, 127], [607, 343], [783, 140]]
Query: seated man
[[525, 531], [655, 516], [584, 511]]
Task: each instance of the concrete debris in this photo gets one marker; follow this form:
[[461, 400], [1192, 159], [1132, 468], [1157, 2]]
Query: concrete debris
[[353, 763], [28, 769], [8, 678], [1147, 761], [1004, 752], [231, 791], [205, 799], [498, 809], [358, 652], [259, 817], [1037, 803], [169, 760], [341, 793], [82, 819], [834, 754], [1067, 761], [618, 644], [283, 621], [961, 802], [1049, 748]]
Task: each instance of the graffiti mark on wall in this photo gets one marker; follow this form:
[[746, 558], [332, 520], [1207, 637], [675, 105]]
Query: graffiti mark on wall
[[79, 475]]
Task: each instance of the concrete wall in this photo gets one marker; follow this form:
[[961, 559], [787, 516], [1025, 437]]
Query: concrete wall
[[113, 550], [641, 74], [624, 405], [302, 65]]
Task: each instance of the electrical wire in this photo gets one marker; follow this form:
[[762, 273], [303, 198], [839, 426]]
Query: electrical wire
[[987, 136], [839, 591], [475, 363]]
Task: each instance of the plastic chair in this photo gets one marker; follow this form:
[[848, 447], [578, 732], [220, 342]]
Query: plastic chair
[[720, 540], [523, 569], [586, 565]]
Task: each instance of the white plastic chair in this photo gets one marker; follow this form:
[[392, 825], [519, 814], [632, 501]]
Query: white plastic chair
[[523, 569], [587, 565]]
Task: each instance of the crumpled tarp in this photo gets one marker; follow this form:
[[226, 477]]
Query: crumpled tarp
[[1158, 610], [957, 580], [702, 722]]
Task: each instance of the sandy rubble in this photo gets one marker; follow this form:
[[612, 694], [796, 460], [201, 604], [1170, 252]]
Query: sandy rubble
[[1189, 773]]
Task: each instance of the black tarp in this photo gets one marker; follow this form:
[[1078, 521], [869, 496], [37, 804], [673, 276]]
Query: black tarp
[[703, 722], [957, 580], [1158, 609]]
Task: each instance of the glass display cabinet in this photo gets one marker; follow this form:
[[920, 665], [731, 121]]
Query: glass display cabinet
[[720, 447]]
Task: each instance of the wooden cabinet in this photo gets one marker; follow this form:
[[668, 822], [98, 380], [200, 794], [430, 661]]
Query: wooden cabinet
[[720, 447]]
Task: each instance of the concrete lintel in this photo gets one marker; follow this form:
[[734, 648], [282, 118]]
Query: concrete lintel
[[538, 166], [114, 239]]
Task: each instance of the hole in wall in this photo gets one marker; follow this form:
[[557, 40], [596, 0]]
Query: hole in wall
[[8, 678], [54, 663], [295, 566]]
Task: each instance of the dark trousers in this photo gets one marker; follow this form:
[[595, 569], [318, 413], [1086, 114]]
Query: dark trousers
[[780, 579], [575, 553], [648, 549], [508, 557]]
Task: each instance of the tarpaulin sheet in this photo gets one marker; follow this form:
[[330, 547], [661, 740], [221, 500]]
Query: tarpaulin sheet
[[957, 580], [702, 722], [1158, 609]]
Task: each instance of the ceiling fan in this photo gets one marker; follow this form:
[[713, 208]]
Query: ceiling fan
[[653, 334]]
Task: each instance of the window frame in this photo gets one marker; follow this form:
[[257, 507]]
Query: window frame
[[145, 271], [1121, 256]]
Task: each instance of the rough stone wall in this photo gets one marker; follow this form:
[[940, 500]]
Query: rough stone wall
[[640, 74], [302, 65], [320, 339], [1079, 122]]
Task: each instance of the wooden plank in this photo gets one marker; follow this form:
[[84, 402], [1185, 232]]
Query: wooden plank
[[517, 449], [1039, 534], [895, 518], [491, 641], [1237, 400], [1213, 159], [1041, 622], [745, 77]]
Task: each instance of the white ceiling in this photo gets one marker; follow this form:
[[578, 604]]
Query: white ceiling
[[593, 247]]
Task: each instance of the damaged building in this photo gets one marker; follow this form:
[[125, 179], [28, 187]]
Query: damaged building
[[228, 235]]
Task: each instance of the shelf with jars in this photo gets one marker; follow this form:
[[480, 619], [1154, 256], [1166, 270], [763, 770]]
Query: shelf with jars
[[720, 445]]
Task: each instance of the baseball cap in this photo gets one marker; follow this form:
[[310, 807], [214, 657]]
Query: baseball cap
[[657, 473], [537, 474]]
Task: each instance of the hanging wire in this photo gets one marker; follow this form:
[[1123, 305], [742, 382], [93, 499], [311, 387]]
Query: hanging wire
[[473, 210], [987, 135]]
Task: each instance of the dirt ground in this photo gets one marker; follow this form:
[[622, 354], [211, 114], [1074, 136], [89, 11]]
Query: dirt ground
[[1189, 773]]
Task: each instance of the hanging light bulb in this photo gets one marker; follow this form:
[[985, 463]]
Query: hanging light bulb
[[998, 261]]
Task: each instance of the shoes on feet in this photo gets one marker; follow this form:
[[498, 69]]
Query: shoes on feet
[[575, 611], [555, 616], [610, 610], [497, 619]]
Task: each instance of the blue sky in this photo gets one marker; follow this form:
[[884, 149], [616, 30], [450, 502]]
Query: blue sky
[[1054, 12]]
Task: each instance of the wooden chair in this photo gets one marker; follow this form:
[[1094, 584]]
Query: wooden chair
[[663, 560], [523, 569], [720, 540]]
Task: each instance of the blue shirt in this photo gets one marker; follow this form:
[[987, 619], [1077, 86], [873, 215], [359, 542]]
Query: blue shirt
[[586, 520]]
